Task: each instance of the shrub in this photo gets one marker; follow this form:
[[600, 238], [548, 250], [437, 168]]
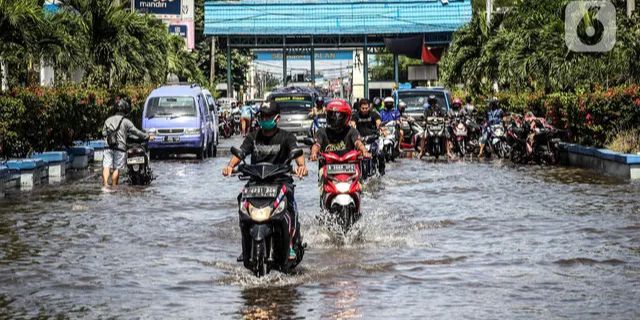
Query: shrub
[[626, 141]]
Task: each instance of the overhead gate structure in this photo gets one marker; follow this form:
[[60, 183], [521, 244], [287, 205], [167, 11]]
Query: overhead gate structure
[[299, 27]]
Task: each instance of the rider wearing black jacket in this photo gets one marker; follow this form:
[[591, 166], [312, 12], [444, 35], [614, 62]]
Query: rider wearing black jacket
[[272, 144]]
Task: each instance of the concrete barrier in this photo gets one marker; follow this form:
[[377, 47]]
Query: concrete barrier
[[80, 156], [30, 171], [605, 161], [98, 146], [4, 175], [57, 163]]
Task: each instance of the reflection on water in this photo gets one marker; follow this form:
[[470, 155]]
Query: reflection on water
[[270, 303], [444, 240]]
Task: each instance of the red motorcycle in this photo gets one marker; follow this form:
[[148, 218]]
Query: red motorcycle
[[340, 187]]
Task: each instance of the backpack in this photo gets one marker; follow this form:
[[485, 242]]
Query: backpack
[[112, 136]]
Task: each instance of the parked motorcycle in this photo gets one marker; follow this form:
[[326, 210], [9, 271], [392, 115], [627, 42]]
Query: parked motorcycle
[[138, 168], [413, 134], [235, 116], [224, 125], [265, 216], [435, 136], [340, 187], [540, 144], [497, 143]]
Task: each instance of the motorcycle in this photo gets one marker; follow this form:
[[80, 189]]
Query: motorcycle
[[459, 137], [413, 133], [340, 187], [235, 114], [138, 168], [374, 165], [497, 142], [265, 217], [224, 125], [540, 144], [435, 136], [390, 144]]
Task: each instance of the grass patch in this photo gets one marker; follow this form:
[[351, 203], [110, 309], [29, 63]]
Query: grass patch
[[626, 141]]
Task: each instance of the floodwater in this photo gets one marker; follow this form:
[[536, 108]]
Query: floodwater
[[445, 241]]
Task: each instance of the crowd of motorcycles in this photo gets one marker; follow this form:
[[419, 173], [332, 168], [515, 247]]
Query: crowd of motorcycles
[[263, 208]]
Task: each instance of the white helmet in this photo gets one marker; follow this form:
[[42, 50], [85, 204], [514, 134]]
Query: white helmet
[[388, 100]]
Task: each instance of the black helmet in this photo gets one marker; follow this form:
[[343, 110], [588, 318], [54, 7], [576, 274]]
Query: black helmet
[[432, 100], [494, 103], [122, 106], [268, 110]]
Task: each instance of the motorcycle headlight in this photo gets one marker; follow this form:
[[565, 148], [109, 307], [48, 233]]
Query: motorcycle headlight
[[259, 214], [343, 187], [192, 131], [281, 206]]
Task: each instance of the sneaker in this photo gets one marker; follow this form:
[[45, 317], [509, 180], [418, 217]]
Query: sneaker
[[292, 254]]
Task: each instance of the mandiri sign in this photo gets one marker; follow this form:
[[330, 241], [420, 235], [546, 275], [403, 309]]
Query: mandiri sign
[[158, 7]]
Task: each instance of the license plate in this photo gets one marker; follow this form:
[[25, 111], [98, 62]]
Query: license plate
[[349, 168], [435, 128], [260, 192], [135, 160], [167, 139]]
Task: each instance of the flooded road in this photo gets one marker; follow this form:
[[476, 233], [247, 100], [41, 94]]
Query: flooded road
[[445, 241]]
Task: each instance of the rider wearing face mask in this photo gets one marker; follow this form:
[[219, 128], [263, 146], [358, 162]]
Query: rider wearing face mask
[[273, 145], [390, 113], [338, 136]]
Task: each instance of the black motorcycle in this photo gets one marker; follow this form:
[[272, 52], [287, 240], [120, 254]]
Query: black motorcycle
[[265, 216], [376, 164], [138, 168], [435, 136]]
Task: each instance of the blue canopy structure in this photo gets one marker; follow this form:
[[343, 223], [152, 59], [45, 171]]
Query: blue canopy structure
[[334, 17], [298, 27]]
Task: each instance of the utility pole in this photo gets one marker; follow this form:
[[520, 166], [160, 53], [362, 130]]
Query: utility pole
[[631, 5], [490, 11], [212, 71]]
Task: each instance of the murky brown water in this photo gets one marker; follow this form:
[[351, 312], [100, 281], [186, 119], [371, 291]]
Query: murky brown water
[[444, 241]]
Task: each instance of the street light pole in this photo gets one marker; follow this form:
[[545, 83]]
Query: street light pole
[[631, 5], [489, 11]]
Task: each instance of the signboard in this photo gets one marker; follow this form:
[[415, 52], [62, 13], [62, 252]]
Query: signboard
[[187, 10], [291, 98], [178, 30], [428, 72], [185, 29], [162, 8], [50, 6], [320, 55]]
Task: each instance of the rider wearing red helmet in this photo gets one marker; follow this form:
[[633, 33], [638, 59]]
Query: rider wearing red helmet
[[338, 136]]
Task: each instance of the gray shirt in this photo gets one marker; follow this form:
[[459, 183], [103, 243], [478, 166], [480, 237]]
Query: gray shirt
[[126, 128]]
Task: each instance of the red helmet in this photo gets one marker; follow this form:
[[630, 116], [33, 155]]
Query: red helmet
[[457, 101], [338, 114]]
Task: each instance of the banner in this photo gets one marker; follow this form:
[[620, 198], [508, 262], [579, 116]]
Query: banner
[[320, 55], [159, 7]]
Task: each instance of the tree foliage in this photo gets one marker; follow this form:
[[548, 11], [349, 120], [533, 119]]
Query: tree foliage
[[523, 49]]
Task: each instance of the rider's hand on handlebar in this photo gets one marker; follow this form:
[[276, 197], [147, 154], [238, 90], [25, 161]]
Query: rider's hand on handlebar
[[152, 137], [227, 171], [366, 155]]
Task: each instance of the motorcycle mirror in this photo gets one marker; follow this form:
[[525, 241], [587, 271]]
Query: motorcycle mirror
[[238, 153], [308, 141]]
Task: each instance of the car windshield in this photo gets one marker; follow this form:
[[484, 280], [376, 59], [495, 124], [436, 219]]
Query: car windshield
[[171, 107], [415, 100], [294, 104]]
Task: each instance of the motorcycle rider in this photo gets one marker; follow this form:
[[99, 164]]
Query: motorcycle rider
[[368, 122], [390, 113], [457, 113], [432, 109], [338, 136], [273, 145], [115, 157], [318, 109], [494, 116], [377, 104], [469, 108]]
